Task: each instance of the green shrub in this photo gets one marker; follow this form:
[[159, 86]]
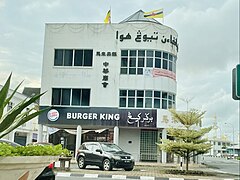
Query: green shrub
[[48, 150]]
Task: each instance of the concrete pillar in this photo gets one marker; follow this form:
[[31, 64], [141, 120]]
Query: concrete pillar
[[40, 133], [11, 136], [29, 137], [116, 135], [164, 154], [78, 138]]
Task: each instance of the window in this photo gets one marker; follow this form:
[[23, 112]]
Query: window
[[133, 62], [70, 97], [63, 57], [146, 99], [73, 57]]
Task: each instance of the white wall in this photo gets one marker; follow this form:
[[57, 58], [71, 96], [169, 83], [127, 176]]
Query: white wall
[[133, 135], [101, 37]]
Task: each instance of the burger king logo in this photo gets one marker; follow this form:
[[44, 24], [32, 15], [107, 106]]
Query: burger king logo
[[53, 115]]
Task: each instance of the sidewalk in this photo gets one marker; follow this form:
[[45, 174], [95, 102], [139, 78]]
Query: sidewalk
[[148, 170]]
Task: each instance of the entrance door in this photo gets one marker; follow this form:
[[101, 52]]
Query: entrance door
[[148, 147]]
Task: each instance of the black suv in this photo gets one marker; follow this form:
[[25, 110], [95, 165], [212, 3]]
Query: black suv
[[105, 155]]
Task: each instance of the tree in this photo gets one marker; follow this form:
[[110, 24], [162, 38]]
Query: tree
[[187, 141], [16, 116]]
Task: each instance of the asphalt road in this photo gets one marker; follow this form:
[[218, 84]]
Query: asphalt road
[[230, 166]]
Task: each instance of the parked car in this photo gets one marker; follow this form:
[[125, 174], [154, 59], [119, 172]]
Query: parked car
[[40, 144], [46, 174], [105, 155]]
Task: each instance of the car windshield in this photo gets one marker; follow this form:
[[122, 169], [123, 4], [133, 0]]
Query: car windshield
[[111, 147]]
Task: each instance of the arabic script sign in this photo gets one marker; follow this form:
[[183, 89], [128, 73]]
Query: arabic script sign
[[147, 38]]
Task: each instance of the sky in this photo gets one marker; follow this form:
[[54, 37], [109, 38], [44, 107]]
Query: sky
[[208, 36]]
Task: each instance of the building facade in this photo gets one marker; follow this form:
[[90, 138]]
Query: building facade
[[120, 77]]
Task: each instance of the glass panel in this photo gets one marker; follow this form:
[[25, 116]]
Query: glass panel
[[66, 96], [85, 97], [123, 92], [139, 102], [133, 52], [131, 92], [78, 58], [158, 54], [156, 103], [68, 57], [164, 95], [140, 62], [165, 64], [149, 62], [140, 93], [132, 70], [164, 104], [170, 57], [56, 96], [169, 104], [157, 94], [131, 102], [123, 102], [141, 53], [165, 55], [148, 93], [149, 53], [170, 66], [88, 57], [76, 94], [132, 62], [148, 102], [124, 62], [123, 71], [140, 71], [158, 63], [58, 57], [124, 53]]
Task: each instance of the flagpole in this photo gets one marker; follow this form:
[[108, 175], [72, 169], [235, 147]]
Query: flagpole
[[110, 16]]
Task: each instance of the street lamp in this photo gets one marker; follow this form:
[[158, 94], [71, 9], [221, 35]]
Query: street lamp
[[187, 101]]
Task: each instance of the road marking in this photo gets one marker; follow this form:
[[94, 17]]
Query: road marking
[[176, 178], [90, 175], [147, 178], [119, 177], [59, 174]]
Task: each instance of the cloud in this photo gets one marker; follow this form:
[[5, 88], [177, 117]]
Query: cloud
[[2, 3], [208, 38]]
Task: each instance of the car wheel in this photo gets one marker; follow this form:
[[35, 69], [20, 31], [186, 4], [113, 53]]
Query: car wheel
[[128, 169], [81, 163], [107, 165]]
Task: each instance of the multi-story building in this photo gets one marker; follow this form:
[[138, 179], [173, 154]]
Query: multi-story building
[[120, 77]]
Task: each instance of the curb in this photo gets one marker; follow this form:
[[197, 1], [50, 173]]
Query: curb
[[66, 174]]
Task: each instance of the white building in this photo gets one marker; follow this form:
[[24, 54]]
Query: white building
[[28, 132], [119, 76], [219, 147]]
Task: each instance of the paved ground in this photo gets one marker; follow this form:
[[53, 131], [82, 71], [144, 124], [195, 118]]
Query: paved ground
[[146, 170]]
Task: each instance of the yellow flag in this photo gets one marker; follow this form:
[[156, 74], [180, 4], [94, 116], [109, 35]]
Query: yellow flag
[[108, 17], [154, 14]]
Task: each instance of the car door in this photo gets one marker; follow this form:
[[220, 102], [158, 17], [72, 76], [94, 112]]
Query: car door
[[96, 156], [88, 153]]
